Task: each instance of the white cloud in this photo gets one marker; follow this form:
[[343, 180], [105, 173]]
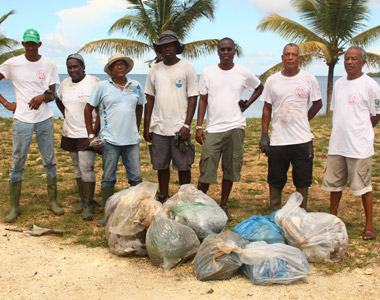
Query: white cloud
[[374, 3], [79, 20], [261, 53], [277, 6]]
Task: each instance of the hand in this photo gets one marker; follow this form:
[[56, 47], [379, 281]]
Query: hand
[[11, 106], [200, 136], [184, 133], [97, 148], [36, 102], [243, 105], [146, 135], [264, 143]]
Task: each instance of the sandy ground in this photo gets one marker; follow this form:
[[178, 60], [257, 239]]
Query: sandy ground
[[53, 268]]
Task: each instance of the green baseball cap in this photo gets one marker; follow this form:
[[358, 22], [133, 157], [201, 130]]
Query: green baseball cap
[[31, 35]]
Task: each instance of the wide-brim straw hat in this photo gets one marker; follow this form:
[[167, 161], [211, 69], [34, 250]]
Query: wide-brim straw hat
[[116, 57], [167, 37]]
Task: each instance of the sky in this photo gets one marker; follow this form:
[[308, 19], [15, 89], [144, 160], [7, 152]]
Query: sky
[[65, 26]]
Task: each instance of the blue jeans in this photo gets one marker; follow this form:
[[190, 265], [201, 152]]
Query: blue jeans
[[22, 135], [130, 155]]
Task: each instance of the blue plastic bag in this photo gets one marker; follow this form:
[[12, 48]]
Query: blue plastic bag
[[260, 228]]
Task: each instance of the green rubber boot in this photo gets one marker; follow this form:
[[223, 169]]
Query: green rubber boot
[[88, 194], [275, 195], [106, 193], [79, 208], [52, 196], [14, 191], [304, 192]]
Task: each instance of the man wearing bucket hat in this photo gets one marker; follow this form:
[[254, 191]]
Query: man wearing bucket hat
[[120, 102], [171, 88], [34, 78]]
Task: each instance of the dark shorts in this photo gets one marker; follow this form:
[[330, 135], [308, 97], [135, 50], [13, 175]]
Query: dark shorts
[[75, 144], [299, 155], [230, 146], [165, 150]]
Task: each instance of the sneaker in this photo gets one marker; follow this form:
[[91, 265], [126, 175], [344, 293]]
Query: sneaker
[[225, 209]]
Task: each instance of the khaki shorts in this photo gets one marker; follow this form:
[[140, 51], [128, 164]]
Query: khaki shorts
[[229, 145], [340, 168]]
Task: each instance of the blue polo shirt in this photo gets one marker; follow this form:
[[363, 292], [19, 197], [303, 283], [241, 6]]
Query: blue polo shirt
[[117, 110]]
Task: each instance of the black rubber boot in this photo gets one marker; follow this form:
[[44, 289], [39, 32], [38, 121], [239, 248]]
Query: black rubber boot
[[88, 194], [79, 208], [304, 192], [275, 196]]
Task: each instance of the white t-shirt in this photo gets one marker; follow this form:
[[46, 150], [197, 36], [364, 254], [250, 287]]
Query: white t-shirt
[[171, 86], [74, 97], [353, 103], [290, 98], [30, 79], [224, 89]]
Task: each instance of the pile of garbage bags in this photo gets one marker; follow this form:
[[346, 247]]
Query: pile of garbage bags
[[138, 224], [268, 249]]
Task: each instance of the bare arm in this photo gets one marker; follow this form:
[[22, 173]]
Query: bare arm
[[202, 106], [139, 111], [192, 103], [257, 92], [314, 109], [375, 120], [60, 106], [88, 119], [11, 106], [265, 119], [147, 115], [97, 121]]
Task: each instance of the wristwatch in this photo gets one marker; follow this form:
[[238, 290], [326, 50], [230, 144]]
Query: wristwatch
[[198, 127], [91, 136]]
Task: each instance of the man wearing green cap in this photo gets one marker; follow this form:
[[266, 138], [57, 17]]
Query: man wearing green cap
[[34, 78]]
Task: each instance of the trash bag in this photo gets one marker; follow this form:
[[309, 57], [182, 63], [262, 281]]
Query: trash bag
[[168, 242], [260, 228], [320, 236], [195, 209], [216, 259], [267, 264], [129, 214]]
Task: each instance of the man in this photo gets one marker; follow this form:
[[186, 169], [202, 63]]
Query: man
[[289, 93], [73, 94], [356, 110], [171, 88], [34, 78], [220, 88], [120, 102]]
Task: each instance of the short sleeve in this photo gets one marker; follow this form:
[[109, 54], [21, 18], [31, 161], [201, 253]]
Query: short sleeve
[[95, 97], [202, 87], [5, 69], [149, 85], [315, 91], [266, 96]]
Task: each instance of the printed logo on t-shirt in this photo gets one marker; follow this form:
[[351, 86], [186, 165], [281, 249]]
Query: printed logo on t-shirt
[[179, 83], [81, 94], [300, 91], [353, 98], [133, 89], [41, 75], [377, 104]]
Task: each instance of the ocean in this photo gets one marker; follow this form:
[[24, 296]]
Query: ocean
[[254, 111]]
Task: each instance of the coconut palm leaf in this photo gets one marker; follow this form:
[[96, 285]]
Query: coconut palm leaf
[[373, 60], [9, 54], [110, 46], [366, 38]]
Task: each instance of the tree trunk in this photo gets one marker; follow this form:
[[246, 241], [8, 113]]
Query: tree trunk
[[330, 84]]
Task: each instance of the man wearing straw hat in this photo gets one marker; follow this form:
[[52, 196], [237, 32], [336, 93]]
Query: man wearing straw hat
[[120, 102], [34, 78], [171, 88]]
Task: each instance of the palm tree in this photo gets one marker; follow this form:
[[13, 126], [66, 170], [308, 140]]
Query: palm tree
[[145, 20], [331, 26], [6, 44]]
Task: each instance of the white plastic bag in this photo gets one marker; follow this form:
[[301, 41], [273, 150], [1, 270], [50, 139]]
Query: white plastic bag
[[129, 213], [168, 242], [195, 209], [267, 264], [320, 236]]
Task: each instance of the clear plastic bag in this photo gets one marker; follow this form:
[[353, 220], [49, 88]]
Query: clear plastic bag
[[320, 236], [129, 213], [216, 259], [195, 209], [260, 228], [168, 242], [267, 264]]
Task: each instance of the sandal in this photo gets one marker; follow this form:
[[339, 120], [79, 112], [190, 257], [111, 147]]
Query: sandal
[[369, 235]]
